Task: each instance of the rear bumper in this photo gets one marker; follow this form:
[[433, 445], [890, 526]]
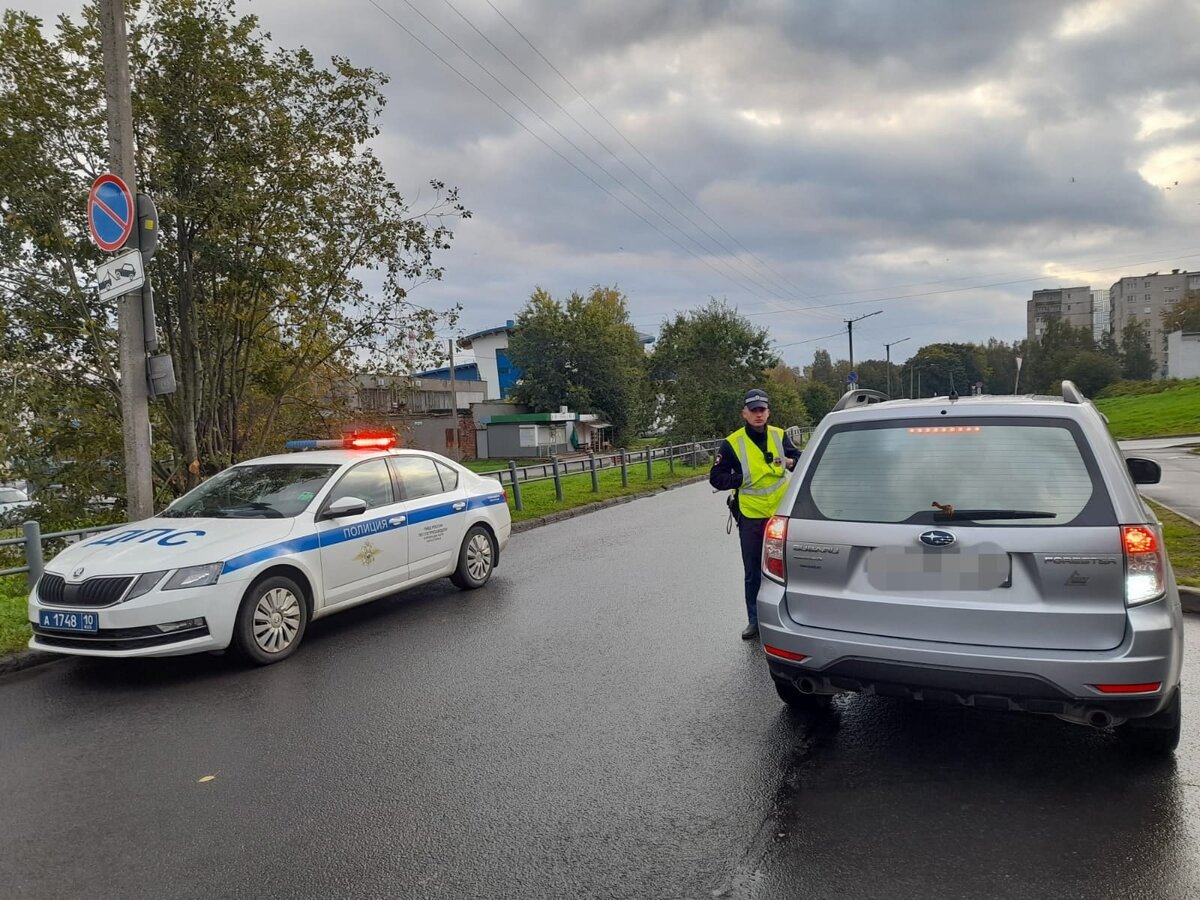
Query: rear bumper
[[1058, 682]]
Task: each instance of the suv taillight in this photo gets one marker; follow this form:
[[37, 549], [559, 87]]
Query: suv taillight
[[1145, 566], [773, 545]]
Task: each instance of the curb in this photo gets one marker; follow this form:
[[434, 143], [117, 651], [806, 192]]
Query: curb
[[27, 659], [529, 524], [1189, 599]]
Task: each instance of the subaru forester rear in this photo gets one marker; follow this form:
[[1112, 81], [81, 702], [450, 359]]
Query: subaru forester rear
[[986, 551]]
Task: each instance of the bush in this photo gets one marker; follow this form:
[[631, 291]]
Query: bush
[[1142, 388]]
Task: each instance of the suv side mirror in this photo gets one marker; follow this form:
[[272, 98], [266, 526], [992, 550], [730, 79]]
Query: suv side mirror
[[1143, 471], [343, 507]]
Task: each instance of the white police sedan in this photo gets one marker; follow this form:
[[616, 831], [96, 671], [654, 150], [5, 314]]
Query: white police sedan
[[255, 553]]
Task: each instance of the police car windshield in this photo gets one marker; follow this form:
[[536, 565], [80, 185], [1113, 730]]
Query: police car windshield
[[253, 492]]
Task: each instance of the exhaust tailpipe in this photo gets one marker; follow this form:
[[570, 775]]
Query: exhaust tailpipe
[[1099, 718], [806, 686]]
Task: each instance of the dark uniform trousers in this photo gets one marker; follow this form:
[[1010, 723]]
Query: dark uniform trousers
[[752, 532]]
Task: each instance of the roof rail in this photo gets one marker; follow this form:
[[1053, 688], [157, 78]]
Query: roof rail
[[860, 397], [1072, 394]]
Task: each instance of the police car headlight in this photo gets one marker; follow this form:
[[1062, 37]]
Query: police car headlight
[[194, 576]]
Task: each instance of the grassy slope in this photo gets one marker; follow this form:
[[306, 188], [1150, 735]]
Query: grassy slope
[[1183, 545], [1172, 412]]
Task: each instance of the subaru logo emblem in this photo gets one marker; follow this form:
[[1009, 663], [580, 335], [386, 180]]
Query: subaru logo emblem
[[937, 538], [77, 572]]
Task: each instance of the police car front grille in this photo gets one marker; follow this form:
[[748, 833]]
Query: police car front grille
[[53, 590]]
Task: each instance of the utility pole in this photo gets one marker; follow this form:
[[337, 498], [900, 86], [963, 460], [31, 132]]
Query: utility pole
[[850, 332], [888, 350], [135, 409], [454, 402]]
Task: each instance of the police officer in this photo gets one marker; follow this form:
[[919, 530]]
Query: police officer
[[754, 461]]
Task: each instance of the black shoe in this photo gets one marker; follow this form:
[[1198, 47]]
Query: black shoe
[[750, 631]]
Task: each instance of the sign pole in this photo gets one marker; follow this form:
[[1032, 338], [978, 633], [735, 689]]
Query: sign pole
[[135, 411]]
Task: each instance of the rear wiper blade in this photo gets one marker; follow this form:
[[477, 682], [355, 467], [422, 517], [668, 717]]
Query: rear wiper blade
[[992, 514]]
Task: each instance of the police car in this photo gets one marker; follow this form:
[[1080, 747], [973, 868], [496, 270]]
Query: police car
[[255, 553]]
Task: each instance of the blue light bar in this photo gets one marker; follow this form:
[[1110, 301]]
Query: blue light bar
[[315, 445]]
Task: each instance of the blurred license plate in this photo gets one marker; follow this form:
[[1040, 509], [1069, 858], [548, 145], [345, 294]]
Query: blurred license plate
[[63, 620], [917, 569]]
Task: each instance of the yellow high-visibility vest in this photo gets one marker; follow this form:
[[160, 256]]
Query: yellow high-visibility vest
[[763, 483]]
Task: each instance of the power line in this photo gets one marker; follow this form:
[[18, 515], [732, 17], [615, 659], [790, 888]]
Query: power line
[[716, 240], [578, 149], [645, 158], [957, 290]]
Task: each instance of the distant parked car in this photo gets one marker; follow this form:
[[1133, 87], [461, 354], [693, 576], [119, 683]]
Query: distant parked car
[[12, 501]]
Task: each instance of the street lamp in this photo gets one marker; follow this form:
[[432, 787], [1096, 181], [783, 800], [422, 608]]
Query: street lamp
[[888, 349], [850, 332]]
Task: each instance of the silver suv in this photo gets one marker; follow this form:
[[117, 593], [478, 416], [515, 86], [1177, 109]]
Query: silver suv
[[985, 551]]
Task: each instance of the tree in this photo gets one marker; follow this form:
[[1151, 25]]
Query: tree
[[821, 370], [1092, 371], [704, 361], [1183, 316], [784, 386], [583, 354], [818, 399], [272, 209], [1137, 360], [942, 367], [1048, 356]]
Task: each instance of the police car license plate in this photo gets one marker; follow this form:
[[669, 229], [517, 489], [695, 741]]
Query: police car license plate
[[64, 620]]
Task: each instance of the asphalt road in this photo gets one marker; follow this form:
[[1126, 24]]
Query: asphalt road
[[589, 725], [1180, 485]]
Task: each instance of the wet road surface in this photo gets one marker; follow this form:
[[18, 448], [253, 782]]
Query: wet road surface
[[588, 725]]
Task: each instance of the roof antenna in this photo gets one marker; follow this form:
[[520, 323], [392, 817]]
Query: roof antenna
[[953, 390]]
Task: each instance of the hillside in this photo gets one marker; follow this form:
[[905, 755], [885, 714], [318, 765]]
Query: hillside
[[1175, 410]]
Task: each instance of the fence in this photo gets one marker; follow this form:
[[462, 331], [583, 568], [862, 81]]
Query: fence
[[32, 542], [696, 453]]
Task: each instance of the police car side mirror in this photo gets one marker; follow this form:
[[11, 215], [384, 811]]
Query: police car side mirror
[[1143, 471], [343, 507]]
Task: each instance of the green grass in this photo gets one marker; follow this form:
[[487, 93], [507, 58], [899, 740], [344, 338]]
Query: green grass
[[1183, 545], [1165, 414], [538, 499], [14, 621], [486, 465]]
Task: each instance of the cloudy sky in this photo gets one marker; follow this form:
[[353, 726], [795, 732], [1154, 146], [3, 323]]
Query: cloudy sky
[[938, 160]]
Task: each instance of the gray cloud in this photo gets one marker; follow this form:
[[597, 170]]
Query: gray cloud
[[856, 148]]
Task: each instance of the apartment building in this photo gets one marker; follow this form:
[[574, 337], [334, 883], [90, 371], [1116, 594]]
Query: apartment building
[[1144, 298], [1073, 305]]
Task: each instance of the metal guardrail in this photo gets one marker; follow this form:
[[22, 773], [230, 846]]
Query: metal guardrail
[[593, 463], [32, 541]]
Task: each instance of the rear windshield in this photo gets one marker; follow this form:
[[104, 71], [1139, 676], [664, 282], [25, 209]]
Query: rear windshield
[[990, 472]]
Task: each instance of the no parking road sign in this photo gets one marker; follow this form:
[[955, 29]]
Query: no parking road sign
[[111, 212]]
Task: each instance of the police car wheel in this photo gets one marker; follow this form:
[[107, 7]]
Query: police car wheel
[[271, 620], [476, 560]]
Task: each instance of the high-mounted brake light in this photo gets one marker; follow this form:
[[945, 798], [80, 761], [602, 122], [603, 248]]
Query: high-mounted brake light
[[774, 542], [1145, 565], [946, 429]]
